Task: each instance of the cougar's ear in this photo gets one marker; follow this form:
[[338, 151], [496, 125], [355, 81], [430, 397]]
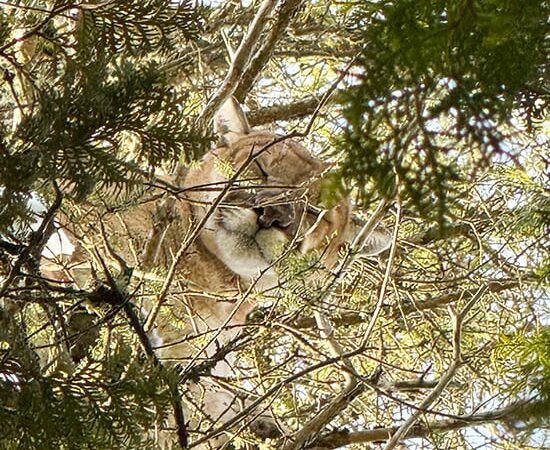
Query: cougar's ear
[[230, 122]]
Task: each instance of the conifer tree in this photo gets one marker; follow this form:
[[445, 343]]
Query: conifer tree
[[435, 117]]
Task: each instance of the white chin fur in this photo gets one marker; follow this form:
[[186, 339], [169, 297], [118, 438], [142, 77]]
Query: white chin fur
[[247, 249]]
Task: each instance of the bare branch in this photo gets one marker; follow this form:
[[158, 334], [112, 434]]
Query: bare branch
[[312, 428], [494, 286], [350, 390], [286, 11], [116, 297], [296, 110], [353, 318], [239, 63], [511, 412], [404, 429], [385, 281]]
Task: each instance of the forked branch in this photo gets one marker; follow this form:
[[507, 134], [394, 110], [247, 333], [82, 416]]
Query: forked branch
[[239, 61], [404, 429]]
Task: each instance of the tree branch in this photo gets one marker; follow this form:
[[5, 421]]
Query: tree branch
[[350, 390], [114, 295], [446, 299], [288, 111], [354, 318], [404, 429], [387, 272], [312, 428], [512, 412], [286, 11], [240, 61]]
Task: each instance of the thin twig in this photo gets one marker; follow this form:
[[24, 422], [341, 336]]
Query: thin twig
[[385, 281], [404, 429]]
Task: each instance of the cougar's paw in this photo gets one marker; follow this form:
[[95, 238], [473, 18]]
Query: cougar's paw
[[265, 428]]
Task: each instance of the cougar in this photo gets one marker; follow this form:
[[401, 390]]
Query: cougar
[[254, 197]]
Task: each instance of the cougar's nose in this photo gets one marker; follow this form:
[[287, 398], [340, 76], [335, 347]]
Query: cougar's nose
[[281, 216]]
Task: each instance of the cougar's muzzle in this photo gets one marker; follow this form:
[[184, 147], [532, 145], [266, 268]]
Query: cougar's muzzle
[[280, 215], [275, 209], [272, 207]]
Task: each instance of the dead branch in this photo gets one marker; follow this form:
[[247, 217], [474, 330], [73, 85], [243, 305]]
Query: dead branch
[[510, 412], [393, 248], [115, 296], [404, 429], [285, 13], [494, 286], [239, 62], [288, 111], [354, 318]]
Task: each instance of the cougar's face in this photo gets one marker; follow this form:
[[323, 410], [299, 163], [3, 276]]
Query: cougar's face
[[272, 182], [264, 208]]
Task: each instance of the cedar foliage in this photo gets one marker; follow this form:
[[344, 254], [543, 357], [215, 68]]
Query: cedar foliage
[[439, 83], [90, 80], [79, 85], [442, 111]]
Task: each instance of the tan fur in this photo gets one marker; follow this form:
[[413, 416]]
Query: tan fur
[[241, 240]]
